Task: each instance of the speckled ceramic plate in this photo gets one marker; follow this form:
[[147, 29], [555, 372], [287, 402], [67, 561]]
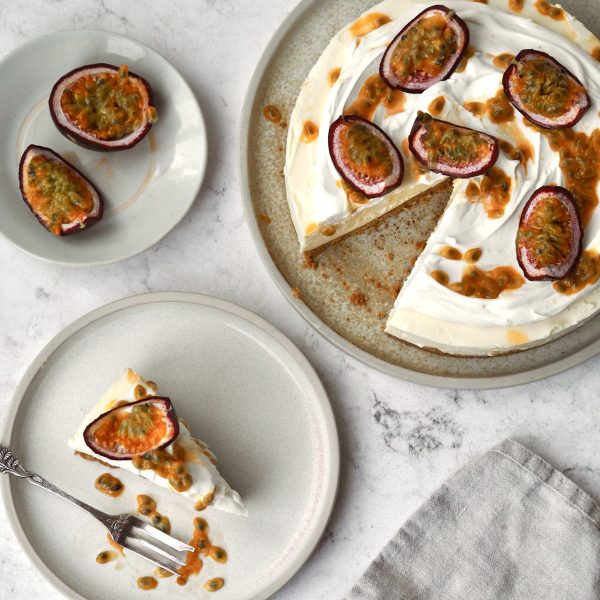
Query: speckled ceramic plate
[[349, 293], [147, 190], [239, 383]]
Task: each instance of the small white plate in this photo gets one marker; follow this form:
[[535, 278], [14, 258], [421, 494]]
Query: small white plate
[[147, 190], [241, 385]]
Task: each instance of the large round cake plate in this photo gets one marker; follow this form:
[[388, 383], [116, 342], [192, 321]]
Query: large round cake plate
[[347, 296], [239, 383]]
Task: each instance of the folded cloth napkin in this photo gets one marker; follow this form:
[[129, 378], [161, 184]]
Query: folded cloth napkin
[[505, 527]]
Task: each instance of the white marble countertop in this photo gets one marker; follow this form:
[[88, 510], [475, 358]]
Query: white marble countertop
[[399, 441]]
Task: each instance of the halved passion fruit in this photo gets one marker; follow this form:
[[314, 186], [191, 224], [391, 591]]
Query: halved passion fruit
[[60, 197], [550, 235], [427, 50], [365, 156], [133, 429], [102, 107], [450, 149], [544, 91]]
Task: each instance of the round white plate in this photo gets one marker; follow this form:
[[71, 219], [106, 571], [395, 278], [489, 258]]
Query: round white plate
[[147, 190], [242, 386]]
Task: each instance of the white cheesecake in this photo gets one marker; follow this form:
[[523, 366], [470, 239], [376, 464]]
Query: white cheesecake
[[429, 311], [208, 487]]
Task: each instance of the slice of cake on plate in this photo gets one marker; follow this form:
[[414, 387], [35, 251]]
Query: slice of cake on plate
[[133, 428]]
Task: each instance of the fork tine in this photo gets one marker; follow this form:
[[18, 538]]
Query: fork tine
[[159, 550], [157, 534], [166, 564]]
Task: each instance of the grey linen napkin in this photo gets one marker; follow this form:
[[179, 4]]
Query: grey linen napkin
[[507, 526]]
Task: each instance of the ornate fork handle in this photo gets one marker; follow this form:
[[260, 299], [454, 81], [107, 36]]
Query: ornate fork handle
[[9, 463]]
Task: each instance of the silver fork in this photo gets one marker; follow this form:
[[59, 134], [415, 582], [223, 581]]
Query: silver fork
[[128, 531]]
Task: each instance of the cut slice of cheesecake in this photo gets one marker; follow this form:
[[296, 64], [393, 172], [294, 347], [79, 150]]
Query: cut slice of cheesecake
[[198, 477]]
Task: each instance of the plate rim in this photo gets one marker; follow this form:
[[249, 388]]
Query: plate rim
[[201, 169], [562, 363], [39, 363]]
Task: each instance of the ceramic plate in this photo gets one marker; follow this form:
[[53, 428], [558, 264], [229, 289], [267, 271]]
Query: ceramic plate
[[243, 388], [347, 295], [147, 189]]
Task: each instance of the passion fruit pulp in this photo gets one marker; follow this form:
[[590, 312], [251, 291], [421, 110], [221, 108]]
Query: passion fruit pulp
[[549, 238], [133, 429], [544, 91], [102, 107], [450, 149], [61, 198], [365, 156], [427, 50]]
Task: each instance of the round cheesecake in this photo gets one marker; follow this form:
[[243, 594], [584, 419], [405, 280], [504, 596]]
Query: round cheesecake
[[467, 294]]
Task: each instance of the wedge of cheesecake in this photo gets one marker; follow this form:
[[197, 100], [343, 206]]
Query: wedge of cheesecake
[[134, 429]]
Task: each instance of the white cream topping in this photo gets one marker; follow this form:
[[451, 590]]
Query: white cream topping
[[427, 313], [199, 460]]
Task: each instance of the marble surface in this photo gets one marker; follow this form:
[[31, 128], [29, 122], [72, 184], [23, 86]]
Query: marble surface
[[399, 441]]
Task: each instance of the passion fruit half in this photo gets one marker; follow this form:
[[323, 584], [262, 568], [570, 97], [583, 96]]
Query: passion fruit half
[[62, 199], [133, 429], [544, 91], [365, 156], [550, 235], [427, 50], [450, 149], [102, 107]]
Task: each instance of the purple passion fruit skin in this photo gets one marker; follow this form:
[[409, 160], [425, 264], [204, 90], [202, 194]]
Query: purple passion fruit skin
[[365, 156], [60, 197], [102, 107], [427, 50], [549, 238], [544, 91], [133, 429], [450, 149]]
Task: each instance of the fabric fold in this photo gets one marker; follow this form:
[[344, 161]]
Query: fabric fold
[[507, 526]]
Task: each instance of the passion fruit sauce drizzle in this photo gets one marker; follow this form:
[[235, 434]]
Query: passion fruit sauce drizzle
[[167, 464], [373, 93], [200, 541], [493, 191], [425, 47], [108, 106], [498, 109], [57, 192], [478, 283], [109, 484]]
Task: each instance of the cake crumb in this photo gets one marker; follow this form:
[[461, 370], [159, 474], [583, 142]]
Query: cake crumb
[[381, 315], [358, 299], [390, 256], [420, 245], [309, 261], [264, 218], [296, 292], [395, 291]]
